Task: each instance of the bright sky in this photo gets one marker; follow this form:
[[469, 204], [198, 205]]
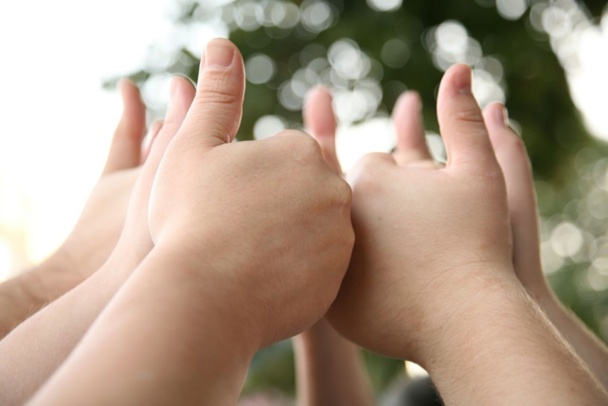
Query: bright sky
[[57, 122]]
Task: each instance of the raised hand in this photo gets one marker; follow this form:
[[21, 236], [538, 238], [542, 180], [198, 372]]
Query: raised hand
[[420, 228], [251, 241], [512, 157], [97, 230], [431, 276], [329, 368], [269, 210], [95, 234], [34, 350]]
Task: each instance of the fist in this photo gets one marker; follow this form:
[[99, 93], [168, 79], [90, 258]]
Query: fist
[[423, 231], [265, 223]]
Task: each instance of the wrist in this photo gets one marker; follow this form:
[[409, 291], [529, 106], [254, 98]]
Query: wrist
[[205, 288], [78, 256], [536, 285], [164, 324], [52, 278], [462, 298], [492, 329]]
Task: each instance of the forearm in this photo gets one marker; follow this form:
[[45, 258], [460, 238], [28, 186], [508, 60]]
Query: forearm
[[34, 350], [329, 369], [17, 303], [28, 292], [166, 338], [496, 347], [591, 350]]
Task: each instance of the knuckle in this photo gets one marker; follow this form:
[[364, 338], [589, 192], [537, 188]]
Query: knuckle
[[367, 162], [305, 140], [303, 146], [515, 143], [368, 166], [291, 133], [492, 176], [470, 115], [344, 194], [217, 88]]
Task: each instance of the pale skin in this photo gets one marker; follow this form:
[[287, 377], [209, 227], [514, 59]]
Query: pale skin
[[431, 278], [329, 368], [34, 350], [214, 342], [325, 359], [125, 153], [95, 234], [515, 165], [202, 269]]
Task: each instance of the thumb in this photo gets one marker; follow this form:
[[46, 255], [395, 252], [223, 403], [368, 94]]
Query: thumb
[[215, 114], [461, 122]]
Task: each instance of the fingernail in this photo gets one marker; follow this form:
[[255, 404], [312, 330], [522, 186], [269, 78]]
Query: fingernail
[[505, 116], [416, 100], [219, 54], [501, 116], [464, 81], [172, 88]]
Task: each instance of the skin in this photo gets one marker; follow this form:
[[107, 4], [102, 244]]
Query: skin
[[326, 362], [450, 301], [199, 269], [46, 339], [225, 354], [329, 368], [513, 159], [95, 234]]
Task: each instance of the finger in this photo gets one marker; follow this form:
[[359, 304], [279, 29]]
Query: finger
[[320, 121], [125, 149], [181, 97], [461, 122], [513, 160], [411, 140], [216, 112], [149, 139]]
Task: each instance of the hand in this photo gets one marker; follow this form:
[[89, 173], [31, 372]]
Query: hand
[[329, 368], [96, 232], [511, 154], [135, 241], [250, 243], [422, 230], [41, 344], [431, 276], [268, 221]]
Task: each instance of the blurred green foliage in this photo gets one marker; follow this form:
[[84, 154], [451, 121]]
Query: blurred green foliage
[[515, 53]]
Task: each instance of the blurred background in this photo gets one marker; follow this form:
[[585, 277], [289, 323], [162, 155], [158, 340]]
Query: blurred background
[[547, 60]]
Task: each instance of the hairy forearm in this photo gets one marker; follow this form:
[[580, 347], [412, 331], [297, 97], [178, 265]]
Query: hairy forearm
[[330, 370], [167, 337], [497, 347], [588, 347]]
